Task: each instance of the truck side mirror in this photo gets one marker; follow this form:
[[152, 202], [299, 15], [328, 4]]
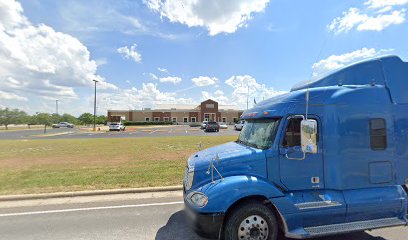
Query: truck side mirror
[[308, 135]]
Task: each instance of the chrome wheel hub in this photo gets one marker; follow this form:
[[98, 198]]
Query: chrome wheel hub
[[253, 228]]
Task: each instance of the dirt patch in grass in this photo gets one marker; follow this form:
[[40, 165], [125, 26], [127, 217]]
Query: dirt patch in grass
[[36, 166]]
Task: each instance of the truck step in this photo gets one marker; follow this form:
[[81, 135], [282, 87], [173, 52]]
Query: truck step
[[314, 205], [353, 226]]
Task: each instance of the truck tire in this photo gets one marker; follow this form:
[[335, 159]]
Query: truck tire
[[252, 220]]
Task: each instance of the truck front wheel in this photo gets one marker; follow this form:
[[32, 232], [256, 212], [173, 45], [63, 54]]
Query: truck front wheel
[[251, 221]]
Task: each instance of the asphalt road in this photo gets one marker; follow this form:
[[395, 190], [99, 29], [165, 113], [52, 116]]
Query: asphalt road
[[68, 133], [157, 218]]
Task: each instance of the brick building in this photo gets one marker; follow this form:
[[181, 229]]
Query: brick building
[[207, 110]]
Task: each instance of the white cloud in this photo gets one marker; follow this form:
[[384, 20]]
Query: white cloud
[[246, 86], [382, 21], [219, 93], [203, 81], [169, 79], [162, 70], [101, 61], [153, 76], [36, 60], [147, 96], [337, 61], [11, 96], [218, 97], [130, 53], [217, 16], [355, 19], [385, 3]]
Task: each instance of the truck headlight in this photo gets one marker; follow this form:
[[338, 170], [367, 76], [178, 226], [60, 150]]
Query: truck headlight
[[198, 199]]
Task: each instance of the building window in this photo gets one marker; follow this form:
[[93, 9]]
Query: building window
[[206, 117], [224, 119], [147, 119], [157, 119], [235, 120], [378, 134], [166, 119], [209, 105], [193, 119], [174, 120], [185, 119]]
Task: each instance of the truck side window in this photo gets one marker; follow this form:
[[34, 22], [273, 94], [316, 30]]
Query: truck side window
[[292, 133], [378, 134]]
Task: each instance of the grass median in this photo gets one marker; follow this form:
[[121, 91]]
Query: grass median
[[39, 166]]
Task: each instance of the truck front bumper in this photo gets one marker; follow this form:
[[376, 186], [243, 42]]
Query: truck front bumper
[[205, 224]]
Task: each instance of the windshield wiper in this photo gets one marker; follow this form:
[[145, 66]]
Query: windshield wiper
[[239, 141]]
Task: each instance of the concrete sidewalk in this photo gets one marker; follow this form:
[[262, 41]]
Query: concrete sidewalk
[[88, 193]]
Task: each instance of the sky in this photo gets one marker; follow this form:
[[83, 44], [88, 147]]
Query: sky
[[150, 53]]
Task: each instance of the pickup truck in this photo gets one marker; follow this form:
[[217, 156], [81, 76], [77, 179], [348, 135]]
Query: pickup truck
[[329, 157], [62, 125]]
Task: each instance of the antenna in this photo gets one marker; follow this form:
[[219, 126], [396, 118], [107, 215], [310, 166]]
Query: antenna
[[247, 96], [311, 75]]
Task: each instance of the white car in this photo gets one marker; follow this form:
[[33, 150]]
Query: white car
[[223, 125], [62, 125], [239, 125], [204, 124], [116, 127]]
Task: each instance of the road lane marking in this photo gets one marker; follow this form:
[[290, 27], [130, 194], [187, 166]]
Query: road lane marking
[[88, 209], [154, 131]]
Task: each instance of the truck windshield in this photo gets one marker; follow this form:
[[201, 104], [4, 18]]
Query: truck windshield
[[259, 133]]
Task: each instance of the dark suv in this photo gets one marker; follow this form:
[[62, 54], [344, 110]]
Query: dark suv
[[212, 127]]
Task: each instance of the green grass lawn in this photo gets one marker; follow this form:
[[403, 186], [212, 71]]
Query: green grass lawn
[[37, 166]]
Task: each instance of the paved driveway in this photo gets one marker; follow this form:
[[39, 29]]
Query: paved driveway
[[131, 132]]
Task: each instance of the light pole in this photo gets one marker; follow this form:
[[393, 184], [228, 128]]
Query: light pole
[[56, 107], [94, 126]]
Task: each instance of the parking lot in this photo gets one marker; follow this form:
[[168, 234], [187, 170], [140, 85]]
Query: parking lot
[[131, 132]]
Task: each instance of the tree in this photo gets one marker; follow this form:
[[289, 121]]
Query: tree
[[69, 118], [86, 118], [13, 116], [42, 119], [101, 119], [55, 118]]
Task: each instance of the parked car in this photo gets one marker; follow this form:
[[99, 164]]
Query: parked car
[[63, 125], [223, 125], [116, 127], [239, 125], [212, 127], [204, 124]]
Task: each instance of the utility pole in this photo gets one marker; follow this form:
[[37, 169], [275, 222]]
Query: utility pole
[[56, 107], [94, 125]]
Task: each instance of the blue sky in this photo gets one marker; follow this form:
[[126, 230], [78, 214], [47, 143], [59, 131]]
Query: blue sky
[[154, 52]]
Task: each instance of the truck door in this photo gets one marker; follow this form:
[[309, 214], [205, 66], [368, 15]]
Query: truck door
[[299, 171]]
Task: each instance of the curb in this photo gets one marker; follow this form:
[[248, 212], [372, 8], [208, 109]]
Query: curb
[[87, 193]]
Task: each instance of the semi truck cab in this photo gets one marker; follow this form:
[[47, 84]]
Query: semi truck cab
[[329, 157]]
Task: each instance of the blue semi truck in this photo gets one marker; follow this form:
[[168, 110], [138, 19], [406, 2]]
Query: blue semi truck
[[329, 157]]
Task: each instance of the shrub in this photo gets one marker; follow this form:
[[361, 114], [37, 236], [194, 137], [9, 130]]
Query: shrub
[[146, 123]]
